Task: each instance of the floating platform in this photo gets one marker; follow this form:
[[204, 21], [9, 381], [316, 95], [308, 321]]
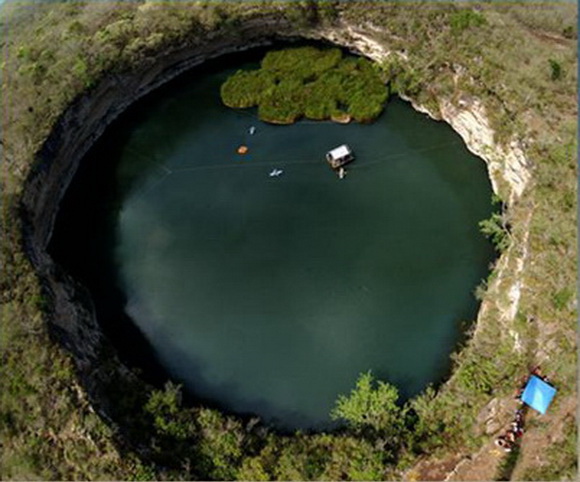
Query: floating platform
[[340, 156]]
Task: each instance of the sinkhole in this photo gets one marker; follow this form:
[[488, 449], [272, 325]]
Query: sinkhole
[[268, 295]]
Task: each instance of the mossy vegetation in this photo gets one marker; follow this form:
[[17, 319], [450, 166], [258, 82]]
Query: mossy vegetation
[[318, 84], [519, 62]]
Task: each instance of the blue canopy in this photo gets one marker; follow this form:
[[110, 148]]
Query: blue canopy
[[538, 394]]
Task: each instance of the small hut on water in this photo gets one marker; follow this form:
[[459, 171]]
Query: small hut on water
[[339, 156]]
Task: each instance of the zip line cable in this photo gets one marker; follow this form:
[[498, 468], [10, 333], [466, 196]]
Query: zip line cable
[[375, 161], [167, 171], [247, 164]]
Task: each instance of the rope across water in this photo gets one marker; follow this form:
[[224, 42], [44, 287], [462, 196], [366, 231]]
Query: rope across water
[[250, 164]]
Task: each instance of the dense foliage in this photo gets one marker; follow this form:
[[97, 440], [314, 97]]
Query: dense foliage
[[369, 405], [518, 60], [315, 83]]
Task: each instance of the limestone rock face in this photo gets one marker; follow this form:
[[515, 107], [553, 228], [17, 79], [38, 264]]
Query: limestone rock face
[[487, 418], [504, 162]]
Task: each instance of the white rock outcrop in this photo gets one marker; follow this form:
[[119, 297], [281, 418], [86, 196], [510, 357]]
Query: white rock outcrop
[[507, 164]]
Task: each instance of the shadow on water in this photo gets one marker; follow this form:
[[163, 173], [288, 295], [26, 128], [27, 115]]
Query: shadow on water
[[260, 405], [85, 236], [84, 241]]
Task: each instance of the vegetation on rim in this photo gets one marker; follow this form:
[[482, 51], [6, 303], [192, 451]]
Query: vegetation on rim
[[308, 82], [518, 59]]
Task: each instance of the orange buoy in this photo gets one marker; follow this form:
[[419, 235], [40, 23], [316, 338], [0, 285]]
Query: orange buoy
[[242, 149]]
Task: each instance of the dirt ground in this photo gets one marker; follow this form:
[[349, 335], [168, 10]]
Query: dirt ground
[[485, 463], [536, 442], [550, 37]]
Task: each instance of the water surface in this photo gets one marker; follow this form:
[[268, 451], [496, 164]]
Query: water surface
[[270, 295]]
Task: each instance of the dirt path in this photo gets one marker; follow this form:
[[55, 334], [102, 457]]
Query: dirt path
[[485, 464], [552, 38], [481, 466], [429, 469], [537, 440]]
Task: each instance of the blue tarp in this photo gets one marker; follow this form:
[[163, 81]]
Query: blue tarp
[[538, 394]]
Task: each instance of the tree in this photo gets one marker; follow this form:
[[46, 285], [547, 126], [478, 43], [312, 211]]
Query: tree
[[495, 228], [169, 419], [372, 403], [221, 444]]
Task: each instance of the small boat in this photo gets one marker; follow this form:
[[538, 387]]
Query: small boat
[[242, 150], [252, 130], [341, 173], [276, 172]]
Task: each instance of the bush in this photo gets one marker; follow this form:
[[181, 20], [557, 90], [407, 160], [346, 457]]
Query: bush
[[465, 19], [220, 444], [427, 426], [495, 229], [164, 406], [478, 375], [556, 69]]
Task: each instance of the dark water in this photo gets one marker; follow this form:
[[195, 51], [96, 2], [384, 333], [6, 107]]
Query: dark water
[[270, 295]]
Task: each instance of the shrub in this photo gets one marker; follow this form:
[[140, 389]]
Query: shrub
[[569, 32], [478, 375], [556, 69], [465, 19], [427, 426], [562, 298], [495, 229], [168, 417]]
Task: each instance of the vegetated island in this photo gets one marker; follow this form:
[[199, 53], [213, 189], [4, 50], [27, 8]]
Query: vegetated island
[[318, 84]]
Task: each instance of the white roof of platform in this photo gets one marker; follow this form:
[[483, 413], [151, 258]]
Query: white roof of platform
[[339, 152]]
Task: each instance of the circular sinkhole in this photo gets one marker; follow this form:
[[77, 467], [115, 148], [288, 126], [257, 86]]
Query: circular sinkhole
[[268, 295]]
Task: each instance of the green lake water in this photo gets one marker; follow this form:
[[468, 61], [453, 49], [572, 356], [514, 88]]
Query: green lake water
[[266, 295]]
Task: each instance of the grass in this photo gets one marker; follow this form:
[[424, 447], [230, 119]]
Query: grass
[[560, 461]]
